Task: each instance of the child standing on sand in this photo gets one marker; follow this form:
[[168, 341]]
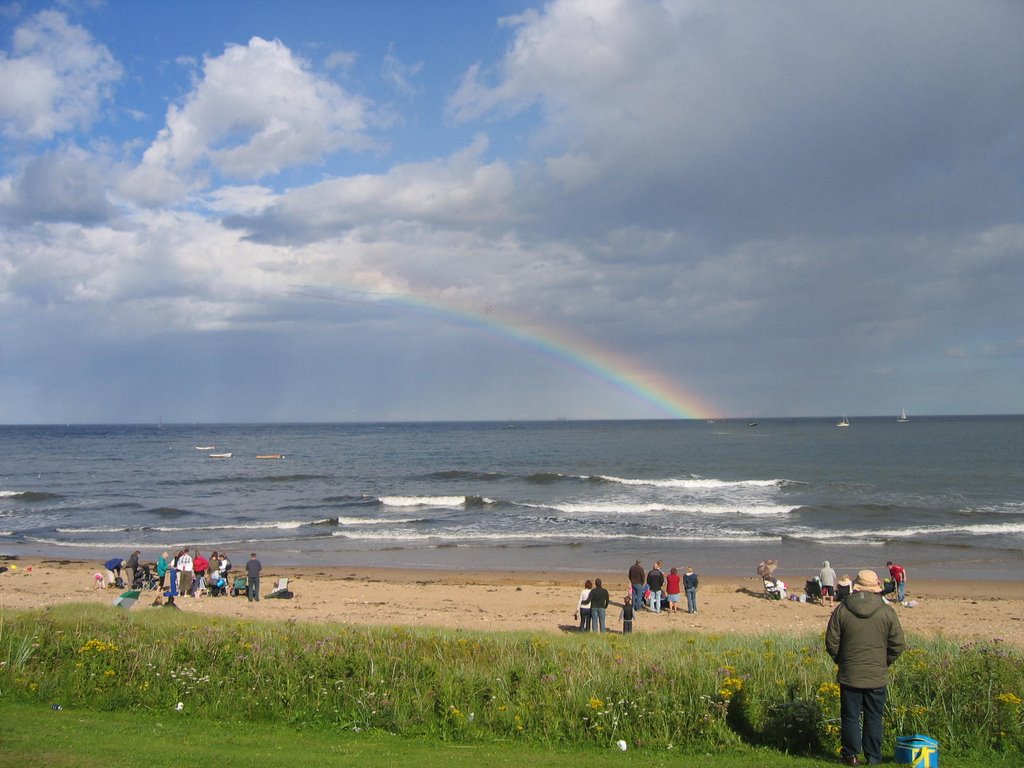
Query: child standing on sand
[[627, 615]]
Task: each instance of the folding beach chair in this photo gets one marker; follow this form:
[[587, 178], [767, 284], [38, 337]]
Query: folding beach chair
[[771, 589], [281, 590]]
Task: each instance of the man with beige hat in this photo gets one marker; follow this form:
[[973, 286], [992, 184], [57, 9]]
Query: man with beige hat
[[864, 637]]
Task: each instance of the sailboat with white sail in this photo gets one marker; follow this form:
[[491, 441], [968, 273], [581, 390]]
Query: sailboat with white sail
[[903, 418], [843, 422]]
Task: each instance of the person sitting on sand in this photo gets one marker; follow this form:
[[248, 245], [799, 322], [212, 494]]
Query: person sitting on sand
[[843, 587]]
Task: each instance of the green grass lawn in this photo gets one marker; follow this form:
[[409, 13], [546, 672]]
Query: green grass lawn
[[35, 737]]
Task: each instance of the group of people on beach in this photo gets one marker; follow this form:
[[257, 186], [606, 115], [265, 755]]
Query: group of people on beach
[[830, 589], [651, 591], [183, 574]]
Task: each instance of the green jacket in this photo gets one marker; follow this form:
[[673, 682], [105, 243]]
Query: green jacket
[[864, 637]]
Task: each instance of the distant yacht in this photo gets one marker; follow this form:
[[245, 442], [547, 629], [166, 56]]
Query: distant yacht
[[903, 419], [843, 422]]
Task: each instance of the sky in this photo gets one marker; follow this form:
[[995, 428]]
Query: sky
[[375, 210]]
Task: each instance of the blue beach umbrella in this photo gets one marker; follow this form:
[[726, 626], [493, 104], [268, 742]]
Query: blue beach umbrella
[[127, 599]]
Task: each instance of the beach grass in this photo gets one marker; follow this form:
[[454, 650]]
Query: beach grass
[[662, 694]]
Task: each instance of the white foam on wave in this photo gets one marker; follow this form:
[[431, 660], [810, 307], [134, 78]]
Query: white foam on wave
[[135, 544], [978, 529], [377, 520], [425, 501], [694, 483], [567, 536], [694, 508], [281, 525], [6, 533], [8, 494], [120, 529]]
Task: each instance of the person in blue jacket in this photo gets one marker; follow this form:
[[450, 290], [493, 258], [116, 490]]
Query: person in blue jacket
[[113, 566]]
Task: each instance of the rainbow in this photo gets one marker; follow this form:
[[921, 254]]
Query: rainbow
[[574, 350]]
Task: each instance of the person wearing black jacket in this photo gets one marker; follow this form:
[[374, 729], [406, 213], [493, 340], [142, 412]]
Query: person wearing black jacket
[[599, 599], [656, 581], [636, 580]]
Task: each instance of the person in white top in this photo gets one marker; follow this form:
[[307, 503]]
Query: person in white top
[[583, 607], [185, 572]]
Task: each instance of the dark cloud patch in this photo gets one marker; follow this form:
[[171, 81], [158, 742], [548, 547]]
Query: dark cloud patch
[[60, 186]]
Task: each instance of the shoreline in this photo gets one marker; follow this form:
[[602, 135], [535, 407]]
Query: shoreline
[[798, 559], [536, 601]]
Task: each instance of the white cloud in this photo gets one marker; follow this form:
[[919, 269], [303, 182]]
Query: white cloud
[[399, 74], [257, 110], [460, 190], [682, 113], [55, 79]]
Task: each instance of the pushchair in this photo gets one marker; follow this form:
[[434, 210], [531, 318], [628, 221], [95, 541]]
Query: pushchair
[[239, 586], [218, 584], [772, 588], [813, 590]]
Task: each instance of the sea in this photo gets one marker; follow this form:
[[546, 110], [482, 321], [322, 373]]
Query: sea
[[943, 496]]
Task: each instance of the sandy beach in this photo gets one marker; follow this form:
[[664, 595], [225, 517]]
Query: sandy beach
[[964, 611]]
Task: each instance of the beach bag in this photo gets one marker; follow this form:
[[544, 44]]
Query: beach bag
[[918, 751], [119, 582]]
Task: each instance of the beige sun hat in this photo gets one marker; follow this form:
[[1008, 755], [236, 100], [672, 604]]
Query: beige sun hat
[[867, 581]]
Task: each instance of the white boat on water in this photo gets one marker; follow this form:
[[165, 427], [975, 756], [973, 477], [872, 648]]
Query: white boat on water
[[903, 418], [205, 447], [220, 455], [843, 422]]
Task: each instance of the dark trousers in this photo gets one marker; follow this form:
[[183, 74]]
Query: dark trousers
[[252, 588], [853, 704], [584, 619]]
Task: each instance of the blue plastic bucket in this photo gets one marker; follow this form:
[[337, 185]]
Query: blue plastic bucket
[[919, 751]]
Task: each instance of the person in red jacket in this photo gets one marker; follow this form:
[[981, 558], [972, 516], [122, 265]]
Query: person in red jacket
[[898, 574], [673, 586], [199, 567]]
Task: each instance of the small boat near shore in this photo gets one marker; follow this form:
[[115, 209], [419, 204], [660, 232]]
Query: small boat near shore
[[269, 455], [220, 455]]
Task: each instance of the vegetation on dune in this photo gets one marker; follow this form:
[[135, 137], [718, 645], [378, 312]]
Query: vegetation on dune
[[675, 691]]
